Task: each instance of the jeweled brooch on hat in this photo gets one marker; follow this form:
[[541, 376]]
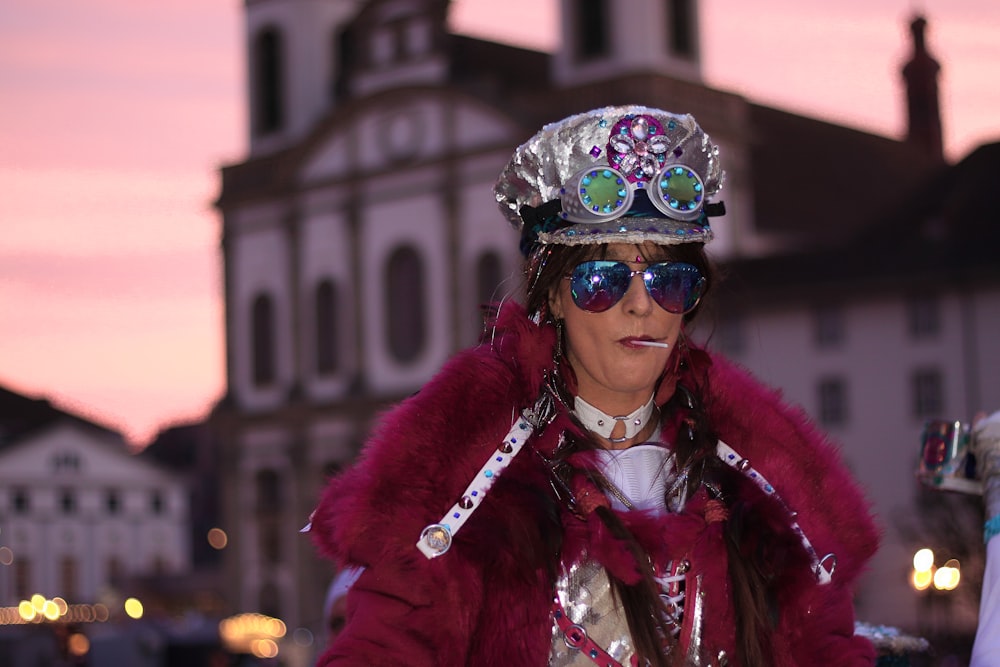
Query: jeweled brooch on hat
[[613, 175]]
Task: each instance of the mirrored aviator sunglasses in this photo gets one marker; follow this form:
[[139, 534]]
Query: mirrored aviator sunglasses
[[598, 285]]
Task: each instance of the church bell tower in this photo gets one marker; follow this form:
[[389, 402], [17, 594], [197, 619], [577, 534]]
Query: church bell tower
[[293, 52], [603, 38]]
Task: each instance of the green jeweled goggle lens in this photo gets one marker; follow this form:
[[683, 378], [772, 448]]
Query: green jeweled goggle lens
[[600, 194]]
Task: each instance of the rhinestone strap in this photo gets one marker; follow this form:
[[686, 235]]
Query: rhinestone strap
[[822, 567], [436, 538]]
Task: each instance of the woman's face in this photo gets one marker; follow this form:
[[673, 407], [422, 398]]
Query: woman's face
[[613, 372]]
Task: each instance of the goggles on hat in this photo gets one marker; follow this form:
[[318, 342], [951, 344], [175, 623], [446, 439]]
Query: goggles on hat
[[599, 194], [598, 285]]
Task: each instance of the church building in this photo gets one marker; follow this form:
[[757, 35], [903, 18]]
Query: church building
[[360, 240]]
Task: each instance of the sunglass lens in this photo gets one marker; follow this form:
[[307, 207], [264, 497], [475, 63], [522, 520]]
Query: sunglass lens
[[676, 286], [598, 285]]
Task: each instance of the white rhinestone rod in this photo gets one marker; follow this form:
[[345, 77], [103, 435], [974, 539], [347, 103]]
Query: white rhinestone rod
[[436, 538], [822, 567]]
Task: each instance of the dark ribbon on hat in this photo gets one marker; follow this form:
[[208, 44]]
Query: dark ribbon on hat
[[546, 217]]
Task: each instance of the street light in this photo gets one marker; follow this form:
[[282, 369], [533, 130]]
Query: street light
[[925, 573], [133, 608]]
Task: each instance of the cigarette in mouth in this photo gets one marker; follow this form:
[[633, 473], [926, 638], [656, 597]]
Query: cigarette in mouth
[[650, 343]]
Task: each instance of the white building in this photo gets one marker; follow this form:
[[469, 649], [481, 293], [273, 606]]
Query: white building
[[360, 237], [80, 516], [873, 339]]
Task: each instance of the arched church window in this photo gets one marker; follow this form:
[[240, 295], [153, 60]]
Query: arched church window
[[269, 491], [268, 72], [270, 600], [680, 13], [406, 317], [262, 343], [592, 29], [489, 270], [327, 342], [343, 52], [489, 274]]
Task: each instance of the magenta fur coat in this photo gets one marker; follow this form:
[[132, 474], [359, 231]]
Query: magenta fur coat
[[487, 600]]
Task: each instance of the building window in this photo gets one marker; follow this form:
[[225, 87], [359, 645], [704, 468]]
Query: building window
[[115, 571], [20, 501], [113, 501], [681, 28], [268, 65], [418, 37], [730, 336], [404, 283], [270, 600], [22, 579], [269, 491], [157, 504], [593, 29], [928, 393], [832, 402], [384, 46], [160, 566], [262, 333], [829, 329], [68, 577], [326, 328], [270, 542], [66, 462], [489, 275], [343, 54], [923, 314], [67, 501]]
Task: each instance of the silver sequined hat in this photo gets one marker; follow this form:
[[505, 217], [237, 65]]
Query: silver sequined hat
[[614, 175]]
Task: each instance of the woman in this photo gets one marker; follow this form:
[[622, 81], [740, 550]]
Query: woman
[[587, 486]]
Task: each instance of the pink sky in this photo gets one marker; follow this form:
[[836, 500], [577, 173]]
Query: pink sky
[[116, 115]]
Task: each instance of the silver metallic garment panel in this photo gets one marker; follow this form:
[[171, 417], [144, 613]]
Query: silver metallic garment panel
[[585, 594]]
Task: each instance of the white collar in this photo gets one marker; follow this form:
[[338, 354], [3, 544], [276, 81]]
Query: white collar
[[603, 424]]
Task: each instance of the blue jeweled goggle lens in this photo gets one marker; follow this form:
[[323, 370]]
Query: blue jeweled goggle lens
[[598, 285]]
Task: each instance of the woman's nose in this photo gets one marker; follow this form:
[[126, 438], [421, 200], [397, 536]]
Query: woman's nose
[[637, 299]]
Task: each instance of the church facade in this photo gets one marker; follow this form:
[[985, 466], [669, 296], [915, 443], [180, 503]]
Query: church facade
[[360, 236]]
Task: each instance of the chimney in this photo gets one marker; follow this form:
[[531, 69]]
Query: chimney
[[923, 109]]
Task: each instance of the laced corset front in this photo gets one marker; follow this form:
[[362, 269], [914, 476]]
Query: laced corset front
[[588, 626]]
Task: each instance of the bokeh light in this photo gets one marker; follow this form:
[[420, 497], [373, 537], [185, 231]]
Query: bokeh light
[[133, 608], [947, 577], [27, 610], [923, 559], [50, 610], [264, 648], [303, 637], [77, 644], [921, 579], [217, 538]]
